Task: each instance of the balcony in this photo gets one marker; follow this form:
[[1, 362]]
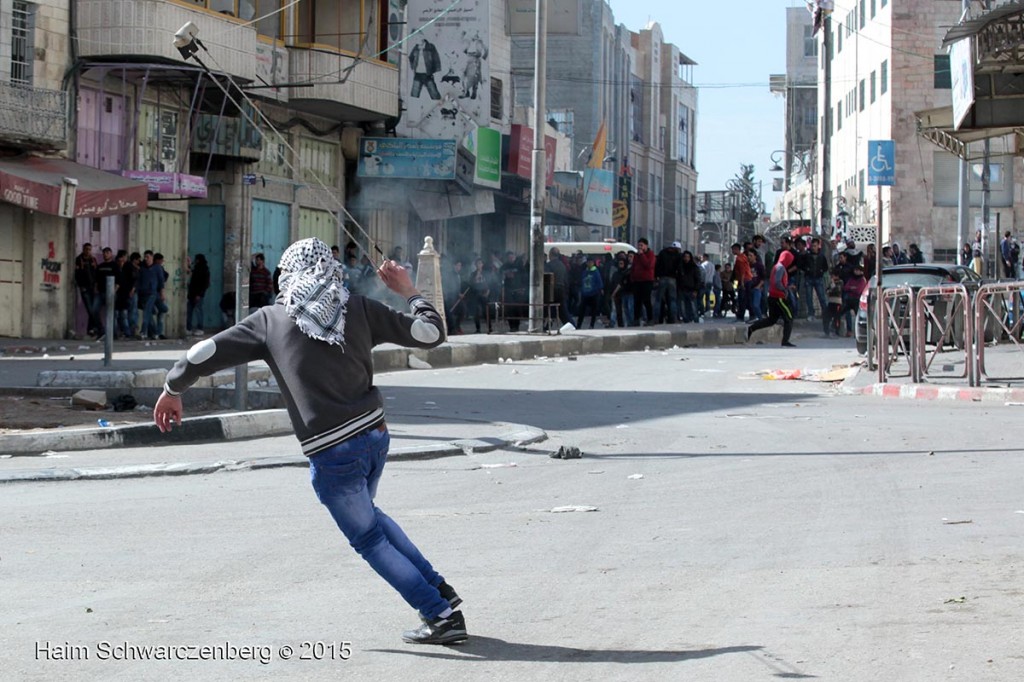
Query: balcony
[[369, 94], [130, 29], [33, 117]]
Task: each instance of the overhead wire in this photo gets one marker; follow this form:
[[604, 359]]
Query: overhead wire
[[284, 141]]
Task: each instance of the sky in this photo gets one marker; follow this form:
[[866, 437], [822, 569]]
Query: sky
[[737, 46]]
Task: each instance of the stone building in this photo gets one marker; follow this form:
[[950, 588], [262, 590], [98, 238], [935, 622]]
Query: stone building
[[888, 65]]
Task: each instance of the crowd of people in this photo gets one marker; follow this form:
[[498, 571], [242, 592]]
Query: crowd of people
[[646, 288], [139, 292], [626, 289]]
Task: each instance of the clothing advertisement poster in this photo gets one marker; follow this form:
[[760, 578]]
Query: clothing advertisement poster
[[447, 80]]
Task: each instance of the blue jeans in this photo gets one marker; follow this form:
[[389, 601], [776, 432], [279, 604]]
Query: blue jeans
[[93, 302], [815, 285], [627, 309], [690, 304], [666, 295], [345, 479], [133, 313], [755, 303], [704, 303], [152, 308], [194, 305]]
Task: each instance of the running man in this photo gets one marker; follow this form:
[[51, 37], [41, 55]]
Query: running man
[[317, 339]]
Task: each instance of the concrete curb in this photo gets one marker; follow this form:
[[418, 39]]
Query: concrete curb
[[517, 435], [272, 422], [232, 426], [933, 392], [930, 392]]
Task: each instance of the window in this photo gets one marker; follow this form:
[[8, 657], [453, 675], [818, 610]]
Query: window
[[839, 116], [562, 121], [883, 78], [22, 32], [810, 115], [273, 156], [636, 108], [839, 42], [269, 26], [810, 42], [683, 138], [497, 98], [873, 8], [158, 139], [885, 2], [860, 185], [860, 95], [349, 25], [943, 76], [863, 13], [995, 175], [317, 160], [873, 88]]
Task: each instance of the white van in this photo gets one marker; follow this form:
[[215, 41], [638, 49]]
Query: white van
[[589, 248]]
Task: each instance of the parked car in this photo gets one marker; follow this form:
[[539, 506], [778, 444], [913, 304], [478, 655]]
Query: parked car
[[916, 277]]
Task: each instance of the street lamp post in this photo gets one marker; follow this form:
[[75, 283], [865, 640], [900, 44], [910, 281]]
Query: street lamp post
[[705, 221]]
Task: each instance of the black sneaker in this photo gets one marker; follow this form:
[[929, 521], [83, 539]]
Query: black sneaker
[[448, 592], [450, 630], [787, 344]]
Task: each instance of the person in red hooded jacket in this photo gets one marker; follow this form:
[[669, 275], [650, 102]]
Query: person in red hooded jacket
[[779, 307], [642, 277]]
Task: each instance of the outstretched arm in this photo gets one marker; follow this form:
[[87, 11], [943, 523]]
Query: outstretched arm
[[239, 344]]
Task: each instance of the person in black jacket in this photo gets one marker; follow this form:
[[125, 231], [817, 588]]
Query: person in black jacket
[[690, 284], [198, 283], [666, 281], [815, 278]]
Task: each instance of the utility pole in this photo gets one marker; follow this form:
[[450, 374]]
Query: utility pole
[[538, 189], [963, 214], [826, 134]]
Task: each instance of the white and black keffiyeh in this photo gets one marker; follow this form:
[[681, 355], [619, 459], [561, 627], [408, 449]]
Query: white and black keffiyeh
[[313, 291]]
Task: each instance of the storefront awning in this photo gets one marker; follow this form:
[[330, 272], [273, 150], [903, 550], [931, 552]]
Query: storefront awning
[[69, 189]]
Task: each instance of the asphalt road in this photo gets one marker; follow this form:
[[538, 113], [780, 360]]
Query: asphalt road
[[779, 530]]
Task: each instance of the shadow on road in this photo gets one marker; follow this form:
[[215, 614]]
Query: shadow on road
[[494, 649], [561, 409]]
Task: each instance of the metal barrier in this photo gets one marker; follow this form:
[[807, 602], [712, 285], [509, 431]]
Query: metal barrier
[[897, 321], [1005, 318], [941, 310]]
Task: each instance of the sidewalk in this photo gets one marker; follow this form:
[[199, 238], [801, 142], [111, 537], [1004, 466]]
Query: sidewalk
[[946, 378], [412, 437]]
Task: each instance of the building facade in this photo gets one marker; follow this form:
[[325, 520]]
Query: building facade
[[798, 87], [639, 88], [887, 65]]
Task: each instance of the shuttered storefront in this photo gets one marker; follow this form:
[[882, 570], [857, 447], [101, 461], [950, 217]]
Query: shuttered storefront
[[164, 232]]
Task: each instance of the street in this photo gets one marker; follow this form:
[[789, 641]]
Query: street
[[744, 530]]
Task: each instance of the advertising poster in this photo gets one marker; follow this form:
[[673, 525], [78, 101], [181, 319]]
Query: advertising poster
[[485, 145], [400, 157], [446, 83], [598, 185]]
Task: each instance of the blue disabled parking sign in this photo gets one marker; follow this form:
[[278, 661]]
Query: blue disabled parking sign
[[881, 162]]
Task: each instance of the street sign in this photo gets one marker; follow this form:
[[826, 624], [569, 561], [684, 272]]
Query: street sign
[[881, 162], [620, 213], [249, 179]]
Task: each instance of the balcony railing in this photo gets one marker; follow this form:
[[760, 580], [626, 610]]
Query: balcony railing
[[33, 116]]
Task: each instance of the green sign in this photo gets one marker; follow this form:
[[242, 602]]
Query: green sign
[[487, 172]]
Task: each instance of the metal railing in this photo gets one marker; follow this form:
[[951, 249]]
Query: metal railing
[[993, 311], [897, 319], [942, 315], [33, 114]]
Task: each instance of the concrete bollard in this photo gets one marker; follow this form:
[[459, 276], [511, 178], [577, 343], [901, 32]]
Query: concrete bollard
[[428, 276]]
